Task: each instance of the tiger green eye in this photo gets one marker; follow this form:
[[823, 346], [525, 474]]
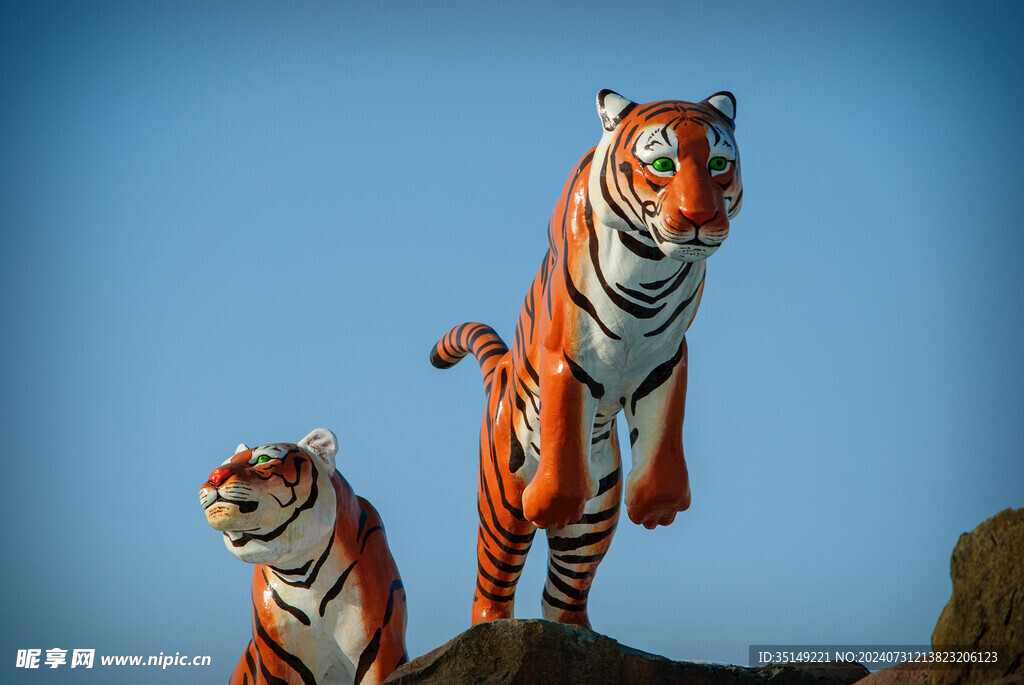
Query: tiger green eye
[[718, 164], [663, 164], [263, 459]]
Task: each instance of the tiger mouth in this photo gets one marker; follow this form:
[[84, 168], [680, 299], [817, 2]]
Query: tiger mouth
[[661, 238], [244, 506]]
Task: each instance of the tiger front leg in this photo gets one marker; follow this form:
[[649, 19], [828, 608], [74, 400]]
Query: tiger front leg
[[658, 486], [558, 492], [245, 671]]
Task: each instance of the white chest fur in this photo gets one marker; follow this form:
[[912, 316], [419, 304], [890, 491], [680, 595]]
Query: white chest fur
[[320, 622], [643, 308]]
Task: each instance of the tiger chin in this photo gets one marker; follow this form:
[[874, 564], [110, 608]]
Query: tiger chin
[[601, 334], [328, 604]]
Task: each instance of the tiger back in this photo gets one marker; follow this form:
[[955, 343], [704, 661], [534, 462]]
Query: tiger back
[[601, 332], [328, 604]]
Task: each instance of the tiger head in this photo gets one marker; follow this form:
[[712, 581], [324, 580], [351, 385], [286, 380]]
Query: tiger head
[[668, 171], [274, 503]]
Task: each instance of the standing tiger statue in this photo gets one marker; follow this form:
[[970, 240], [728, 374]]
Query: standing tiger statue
[[602, 330], [328, 605]]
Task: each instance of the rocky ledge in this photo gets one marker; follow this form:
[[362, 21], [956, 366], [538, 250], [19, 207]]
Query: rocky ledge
[[528, 652]]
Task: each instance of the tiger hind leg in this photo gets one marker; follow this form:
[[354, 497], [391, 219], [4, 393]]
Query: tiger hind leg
[[503, 541], [504, 535], [575, 551]]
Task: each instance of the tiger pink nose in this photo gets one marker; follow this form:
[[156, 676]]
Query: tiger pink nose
[[700, 218], [220, 475]]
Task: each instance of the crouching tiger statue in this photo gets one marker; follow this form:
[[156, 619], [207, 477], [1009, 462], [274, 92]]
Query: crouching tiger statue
[[601, 331], [328, 605]]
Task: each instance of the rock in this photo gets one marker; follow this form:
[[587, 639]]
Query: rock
[[903, 674], [987, 606], [525, 652]]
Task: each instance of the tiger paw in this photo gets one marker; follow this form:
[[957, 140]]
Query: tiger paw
[[486, 610], [548, 507], [652, 502]]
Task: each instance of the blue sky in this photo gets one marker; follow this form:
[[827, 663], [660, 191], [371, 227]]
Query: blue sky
[[239, 221]]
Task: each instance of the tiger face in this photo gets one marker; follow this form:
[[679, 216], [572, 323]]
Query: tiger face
[[274, 502], [668, 172]]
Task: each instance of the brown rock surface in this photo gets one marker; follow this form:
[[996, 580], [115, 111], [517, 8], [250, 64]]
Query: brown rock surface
[[987, 606], [529, 652], [904, 674]]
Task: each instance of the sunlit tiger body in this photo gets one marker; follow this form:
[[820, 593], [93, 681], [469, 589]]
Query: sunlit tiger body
[[328, 605], [601, 331]]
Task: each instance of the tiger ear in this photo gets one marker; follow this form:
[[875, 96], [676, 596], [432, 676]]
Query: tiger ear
[[242, 447], [612, 108], [321, 443], [724, 103]]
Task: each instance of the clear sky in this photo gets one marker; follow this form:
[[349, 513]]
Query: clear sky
[[238, 221]]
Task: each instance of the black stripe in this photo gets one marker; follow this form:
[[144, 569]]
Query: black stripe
[[569, 573], [566, 589], [609, 481], [439, 362], [579, 558], [493, 597], [654, 379], [639, 248], [736, 200], [679, 310], [605, 171], [316, 569], [294, 662], [269, 677], [516, 457], [294, 571], [294, 611], [497, 350], [559, 544], [249, 661], [362, 522], [396, 585], [501, 565], [680, 277], [599, 516], [368, 534], [596, 389], [521, 403], [530, 395], [559, 604], [336, 588], [653, 109], [494, 581], [367, 658], [530, 371]]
